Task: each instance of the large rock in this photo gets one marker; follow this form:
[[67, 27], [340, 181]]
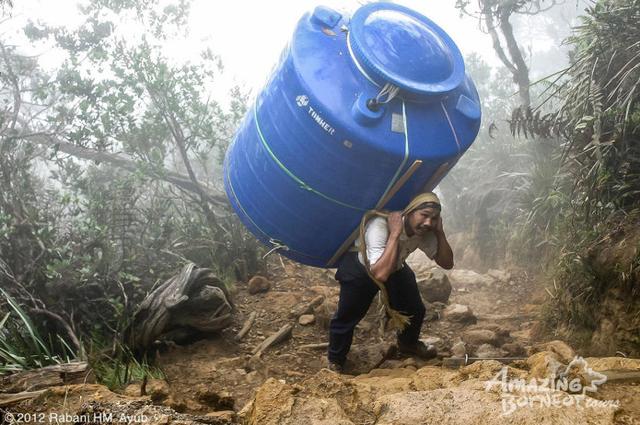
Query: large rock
[[325, 311], [487, 351], [435, 287], [92, 404], [258, 284], [277, 403], [365, 357], [307, 319], [613, 363], [459, 313], [158, 390], [479, 337], [458, 349], [499, 275], [217, 400], [502, 334], [420, 263], [469, 278], [545, 364], [564, 352], [514, 349], [430, 395], [470, 407]]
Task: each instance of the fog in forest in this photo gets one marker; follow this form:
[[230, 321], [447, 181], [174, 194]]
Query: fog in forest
[[121, 254]]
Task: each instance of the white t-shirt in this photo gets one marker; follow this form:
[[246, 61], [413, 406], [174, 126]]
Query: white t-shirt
[[376, 234]]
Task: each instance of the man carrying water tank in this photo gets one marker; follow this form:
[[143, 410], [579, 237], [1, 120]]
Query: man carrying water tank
[[389, 239]]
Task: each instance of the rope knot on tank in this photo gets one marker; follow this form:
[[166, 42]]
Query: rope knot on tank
[[386, 95]]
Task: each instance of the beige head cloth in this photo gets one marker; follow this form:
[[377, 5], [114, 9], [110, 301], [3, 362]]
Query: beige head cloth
[[419, 200]]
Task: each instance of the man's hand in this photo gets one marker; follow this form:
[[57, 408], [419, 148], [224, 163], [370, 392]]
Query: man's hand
[[444, 256], [395, 223], [438, 229]]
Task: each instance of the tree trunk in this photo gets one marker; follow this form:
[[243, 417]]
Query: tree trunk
[[49, 376], [193, 301], [520, 72], [511, 58]]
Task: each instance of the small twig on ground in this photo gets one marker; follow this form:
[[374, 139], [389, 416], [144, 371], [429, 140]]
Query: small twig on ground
[[283, 334], [247, 326], [314, 346], [308, 308]]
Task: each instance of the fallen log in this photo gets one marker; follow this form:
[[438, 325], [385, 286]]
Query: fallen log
[[307, 308], [49, 376], [283, 334], [7, 399]]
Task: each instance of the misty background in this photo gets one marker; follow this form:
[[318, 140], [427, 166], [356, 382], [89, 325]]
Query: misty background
[[115, 116]]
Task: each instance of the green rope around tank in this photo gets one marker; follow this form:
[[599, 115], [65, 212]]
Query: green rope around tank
[[302, 184], [398, 320], [406, 153], [235, 197], [237, 201]]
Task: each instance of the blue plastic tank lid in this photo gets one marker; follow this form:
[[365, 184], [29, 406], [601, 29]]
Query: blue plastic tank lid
[[397, 45]]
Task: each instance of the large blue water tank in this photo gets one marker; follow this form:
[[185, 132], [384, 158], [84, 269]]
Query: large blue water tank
[[352, 103]]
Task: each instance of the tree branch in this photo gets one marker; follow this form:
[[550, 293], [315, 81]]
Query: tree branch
[[179, 139], [211, 196]]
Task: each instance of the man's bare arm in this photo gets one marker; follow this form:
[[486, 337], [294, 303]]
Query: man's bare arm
[[444, 256], [386, 264]]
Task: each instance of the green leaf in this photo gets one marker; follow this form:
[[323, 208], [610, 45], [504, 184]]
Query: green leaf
[[4, 320], [33, 332]]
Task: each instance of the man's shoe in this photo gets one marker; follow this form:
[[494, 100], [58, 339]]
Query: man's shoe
[[336, 367], [419, 349]]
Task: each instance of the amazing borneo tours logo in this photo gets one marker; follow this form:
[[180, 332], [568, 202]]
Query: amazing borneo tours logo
[[566, 386]]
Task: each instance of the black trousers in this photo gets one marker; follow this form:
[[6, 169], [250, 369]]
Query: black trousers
[[356, 293]]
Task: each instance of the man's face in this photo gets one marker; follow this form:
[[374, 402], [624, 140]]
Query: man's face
[[423, 220]]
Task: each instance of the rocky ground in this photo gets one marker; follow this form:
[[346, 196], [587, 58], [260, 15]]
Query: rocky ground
[[226, 380]]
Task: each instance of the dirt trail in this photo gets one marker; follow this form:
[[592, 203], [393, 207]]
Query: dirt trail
[[211, 380], [221, 365]]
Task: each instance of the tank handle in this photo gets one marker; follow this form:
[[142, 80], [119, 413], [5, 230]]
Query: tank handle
[[367, 110], [364, 113]]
